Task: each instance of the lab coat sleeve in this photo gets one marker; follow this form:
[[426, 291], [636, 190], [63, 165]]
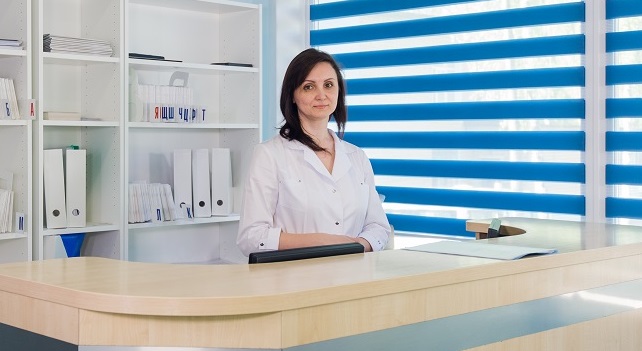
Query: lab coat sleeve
[[256, 227], [376, 228]]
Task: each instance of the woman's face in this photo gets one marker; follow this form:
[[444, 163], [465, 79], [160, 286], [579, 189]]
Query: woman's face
[[316, 98]]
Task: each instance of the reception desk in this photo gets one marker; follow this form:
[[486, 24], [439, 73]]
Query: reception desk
[[585, 297]]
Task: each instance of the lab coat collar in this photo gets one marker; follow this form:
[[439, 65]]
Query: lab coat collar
[[341, 165]]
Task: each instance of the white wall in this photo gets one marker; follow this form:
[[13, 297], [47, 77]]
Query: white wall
[[291, 37], [285, 34]]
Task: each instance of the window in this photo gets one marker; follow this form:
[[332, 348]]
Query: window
[[624, 111], [467, 109]]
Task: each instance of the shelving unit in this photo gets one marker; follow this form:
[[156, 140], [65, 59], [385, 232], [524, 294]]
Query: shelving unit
[[16, 135], [120, 148], [218, 31], [91, 85]]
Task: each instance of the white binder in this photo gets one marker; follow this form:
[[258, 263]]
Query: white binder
[[201, 178], [221, 182], [76, 185], [54, 184], [183, 183]]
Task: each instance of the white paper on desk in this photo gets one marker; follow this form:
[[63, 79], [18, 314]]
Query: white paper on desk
[[480, 249]]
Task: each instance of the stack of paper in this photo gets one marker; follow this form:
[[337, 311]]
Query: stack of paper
[[9, 108], [151, 203], [6, 201], [71, 45], [481, 249], [10, 44]]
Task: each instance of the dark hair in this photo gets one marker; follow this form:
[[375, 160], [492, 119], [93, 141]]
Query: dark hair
[[295, 75]]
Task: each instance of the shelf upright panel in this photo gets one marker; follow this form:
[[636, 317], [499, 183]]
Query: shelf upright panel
[[16, 134]]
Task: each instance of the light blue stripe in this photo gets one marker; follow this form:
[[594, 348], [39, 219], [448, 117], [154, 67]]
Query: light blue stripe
[[530, 171], [623, 208], [548, 203], [623, 141], [623, 174], [623, 107], [540, 15], [531, 78], [549, 46], [494, 325], [357, 8], [553, 140], [623, 8], [622, 41]]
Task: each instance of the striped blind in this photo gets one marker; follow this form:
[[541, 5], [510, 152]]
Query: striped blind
[[624, 111], [467, 109]]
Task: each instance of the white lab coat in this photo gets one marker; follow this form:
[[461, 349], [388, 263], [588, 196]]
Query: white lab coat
[[288, 188]]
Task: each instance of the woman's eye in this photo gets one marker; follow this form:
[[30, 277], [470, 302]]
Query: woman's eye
[[307, 87], [329, 85]]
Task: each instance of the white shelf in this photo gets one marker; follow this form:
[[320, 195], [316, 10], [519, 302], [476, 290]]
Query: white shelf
[[219, 6], [90, 228], [142, 125], [77, 59], [10, 236], [52, 123], [197, 68], [181, 222], [13, 122], [12, 52], [219, 31]]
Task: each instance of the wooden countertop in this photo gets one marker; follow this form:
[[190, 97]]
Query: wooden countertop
[[106, 285]]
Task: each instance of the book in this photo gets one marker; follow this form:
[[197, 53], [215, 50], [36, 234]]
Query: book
[[136, 55], [8, 93], [236, 64], [481, 249]]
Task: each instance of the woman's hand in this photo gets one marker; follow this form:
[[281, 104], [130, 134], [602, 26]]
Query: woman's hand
[[365, 243]]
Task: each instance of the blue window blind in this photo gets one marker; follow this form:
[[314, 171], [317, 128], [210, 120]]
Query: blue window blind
[[624, 111], [467, 109]]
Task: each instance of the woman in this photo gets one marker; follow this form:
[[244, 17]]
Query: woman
[[306, 186]]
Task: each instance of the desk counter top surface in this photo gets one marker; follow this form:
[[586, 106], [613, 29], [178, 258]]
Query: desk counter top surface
[[114, 286]]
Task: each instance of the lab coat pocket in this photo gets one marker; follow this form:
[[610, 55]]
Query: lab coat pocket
[[363, 195], [359, 206], [292, 194]]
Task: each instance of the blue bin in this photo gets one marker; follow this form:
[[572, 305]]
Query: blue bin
[[72, 243]]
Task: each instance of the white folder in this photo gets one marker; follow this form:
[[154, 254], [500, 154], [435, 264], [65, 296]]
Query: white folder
[[221, 182], [201, 178], [183, 183], [76, 185], [54, 184]]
